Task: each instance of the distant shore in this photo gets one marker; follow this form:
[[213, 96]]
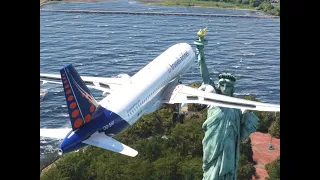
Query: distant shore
[[44, 2], [197, 4], [159, 2], [263, 7]]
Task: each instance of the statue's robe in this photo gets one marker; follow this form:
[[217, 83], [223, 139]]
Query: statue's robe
[[224, 129]]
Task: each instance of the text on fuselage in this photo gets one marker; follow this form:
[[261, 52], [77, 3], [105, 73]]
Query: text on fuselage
[[176, 63], [108, 125]]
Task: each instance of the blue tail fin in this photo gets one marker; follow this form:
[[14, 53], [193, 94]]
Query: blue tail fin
[[80, 101]]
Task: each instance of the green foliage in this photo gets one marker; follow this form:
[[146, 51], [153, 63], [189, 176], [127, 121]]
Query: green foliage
[[273, 169], [157, 123], [274, 11], [152, 148], [70, 167], [251, 98], [246, 169], [190, 169], [265, 6], [124, 168], [166, 151], [187, 138], [246, 150], [265, 120], [255, 3], [234, 4], [245, 2], [166, 167], [49, 159], [274, 129]]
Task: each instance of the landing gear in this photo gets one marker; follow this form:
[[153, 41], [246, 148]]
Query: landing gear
[[200, 107], [181, 118], [176, 117]]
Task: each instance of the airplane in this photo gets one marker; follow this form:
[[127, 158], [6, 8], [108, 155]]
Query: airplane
[[95, 123]]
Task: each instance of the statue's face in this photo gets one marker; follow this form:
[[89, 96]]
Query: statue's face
[[226, 88]]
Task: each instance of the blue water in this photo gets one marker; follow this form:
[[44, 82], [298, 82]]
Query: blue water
[[110, 44]]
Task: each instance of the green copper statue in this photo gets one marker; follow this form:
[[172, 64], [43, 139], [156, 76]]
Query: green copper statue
[[224, 128]]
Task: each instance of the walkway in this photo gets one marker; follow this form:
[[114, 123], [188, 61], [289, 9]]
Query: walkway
[[261, 154]]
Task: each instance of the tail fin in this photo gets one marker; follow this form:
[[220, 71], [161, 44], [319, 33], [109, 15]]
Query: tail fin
[[80, 101]]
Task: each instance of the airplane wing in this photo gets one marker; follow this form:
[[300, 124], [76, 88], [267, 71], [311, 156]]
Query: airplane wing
[[184, 94], [54, 133], [107, 85], [103, 141]]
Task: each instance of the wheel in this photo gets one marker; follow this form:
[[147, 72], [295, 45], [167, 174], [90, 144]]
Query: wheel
[[181, 118], [175, 117], [200, 107]]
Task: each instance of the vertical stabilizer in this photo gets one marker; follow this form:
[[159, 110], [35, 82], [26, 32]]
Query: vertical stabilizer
[[80, 101]]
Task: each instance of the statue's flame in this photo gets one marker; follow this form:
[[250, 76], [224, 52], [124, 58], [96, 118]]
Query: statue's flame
[[202, 32]]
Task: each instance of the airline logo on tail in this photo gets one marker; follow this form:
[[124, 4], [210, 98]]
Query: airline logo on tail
[[80, 101]]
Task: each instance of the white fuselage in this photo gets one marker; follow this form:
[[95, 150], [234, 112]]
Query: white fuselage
[[144, 89]]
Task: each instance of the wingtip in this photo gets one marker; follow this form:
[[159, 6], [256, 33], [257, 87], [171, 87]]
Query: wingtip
[[128, 151], [136, 153]]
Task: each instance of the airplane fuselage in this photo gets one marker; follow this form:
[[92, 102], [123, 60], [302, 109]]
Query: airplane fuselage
[[140, 95]]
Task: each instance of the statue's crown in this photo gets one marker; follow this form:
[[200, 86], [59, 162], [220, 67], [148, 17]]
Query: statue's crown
[[229, 76]]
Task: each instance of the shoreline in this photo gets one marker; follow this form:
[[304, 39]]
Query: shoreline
[[42, 3], [160, 3], [163, 3], [146, 2]]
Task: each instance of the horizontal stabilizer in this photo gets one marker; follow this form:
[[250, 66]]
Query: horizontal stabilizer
[[54, 133], [99, 83], [103, 141]]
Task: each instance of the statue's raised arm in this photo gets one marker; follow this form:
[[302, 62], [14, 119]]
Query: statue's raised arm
[[200, 43]]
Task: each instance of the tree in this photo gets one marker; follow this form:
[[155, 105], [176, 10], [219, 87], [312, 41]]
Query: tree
[[245, 2], [273, 169], [255, 3], [190, 169], [246, 169], [187, 138], [246, 150], [265, 121], [166, 151], [274, 129], [152, 148], [166, 167]]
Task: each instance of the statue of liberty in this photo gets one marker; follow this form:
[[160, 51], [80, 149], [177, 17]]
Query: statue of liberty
[[224, 128]]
